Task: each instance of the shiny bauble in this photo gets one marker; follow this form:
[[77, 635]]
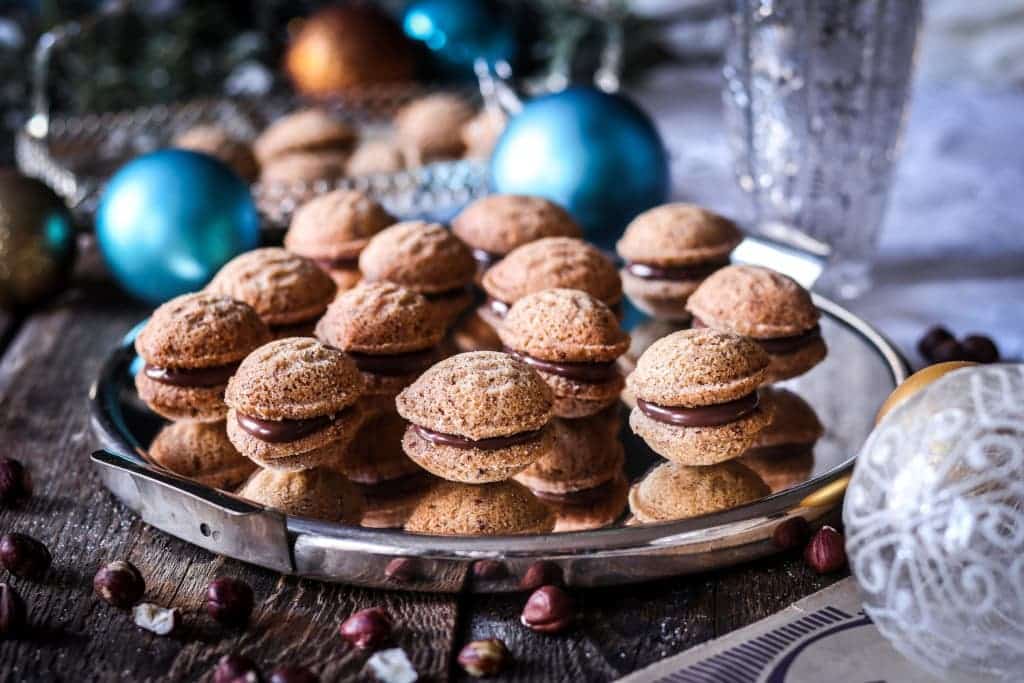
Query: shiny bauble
[[598, 155], [168, 220], [916, 382], [458, 32], [342, 48], [934, 517], [37, 241]]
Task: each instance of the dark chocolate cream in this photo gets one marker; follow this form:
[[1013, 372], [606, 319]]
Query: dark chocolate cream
[[447, 294], [282, 431], [347, 263], [491, 444], [191, 377], [590, 373], [701, 416], [777, 345], [696, 271], [396, 364], [596, 494]]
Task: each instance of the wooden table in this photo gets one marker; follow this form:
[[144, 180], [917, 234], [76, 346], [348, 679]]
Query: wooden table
[[48, 361]]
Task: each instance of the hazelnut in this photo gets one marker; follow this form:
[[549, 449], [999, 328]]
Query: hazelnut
[[931, 339], [489, 570], [15, 483], [826, 552], [948, 350], [229, 600], [119, 583], [12, 612], [24, 556], [980, 349], [542, 574], [367, 629], [293, 674], [483, 657], [154, 618], [235, 669], [792, 533], [548, 610]]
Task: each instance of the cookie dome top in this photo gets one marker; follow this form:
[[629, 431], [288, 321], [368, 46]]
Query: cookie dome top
[[479, 395], [199, 450], [755, 302], [699, 367], [336, 225], [564, 325], [200, 330], [424, 257], [554, 262], [673, 491], [499, 223], [495, 509], [302, 131], [284, 288], [380, 318], [433, 124], [584, 452], [294, 379], [318, 493], [678, 235]]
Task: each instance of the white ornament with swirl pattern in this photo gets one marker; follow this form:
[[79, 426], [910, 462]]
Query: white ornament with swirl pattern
[[935, 523]]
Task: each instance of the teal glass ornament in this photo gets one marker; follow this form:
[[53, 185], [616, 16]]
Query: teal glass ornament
[[597, 154], [168, 220], [460, 31]]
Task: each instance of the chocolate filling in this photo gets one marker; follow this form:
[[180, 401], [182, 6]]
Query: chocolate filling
[[191, 377], [491, 444], [596, 494], [701, 416], [283, 431], [697, 271], [448, 294], [589, 373], [349, 263], [396, 364], [485, 259], [781, 451], [777, 345]]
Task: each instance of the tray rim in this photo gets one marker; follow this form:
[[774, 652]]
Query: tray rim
[[596, 542]]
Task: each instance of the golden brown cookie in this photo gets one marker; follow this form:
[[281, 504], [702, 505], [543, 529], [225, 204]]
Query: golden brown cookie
[[426, 258], [305, 168], [390, 503], [668, 251], [783, 453], [333, 229], [583, 457], [495, 509], [201, 452], [289, 292], [375, 156], [480, 134], [220, 144], [549, 263], [572, 340], [696, 396], [496, 224], [430, 128], [191, 346], [304, 131], [767, 306], [593, 508], [293, 404], [316, 493], [477, 417], [375, 455], [672, 491]]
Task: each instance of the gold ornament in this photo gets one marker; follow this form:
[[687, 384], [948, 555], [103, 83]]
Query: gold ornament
[[348, 47], [37, 241], [916, 382]]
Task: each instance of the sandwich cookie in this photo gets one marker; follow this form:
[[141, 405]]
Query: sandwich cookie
[[783, 453], [549, 263], [191, 346], [333, 229], [426, 258], [201, 452], [572, 340], [430, 128], [289, 292], [696, 396], [672, 491], [496, 224], [306, 132], [768, 307], [495, 509], [372, 157], [477, 417], [218, 143], [390, 332], [305, 169], [293, 404], [668, 251], [317, 493]]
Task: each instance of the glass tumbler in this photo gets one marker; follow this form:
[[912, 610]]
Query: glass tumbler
[[815, 96]]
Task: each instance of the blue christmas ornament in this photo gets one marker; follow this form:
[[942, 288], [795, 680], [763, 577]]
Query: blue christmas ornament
[[167, 221], [596, 154], [460, 31]]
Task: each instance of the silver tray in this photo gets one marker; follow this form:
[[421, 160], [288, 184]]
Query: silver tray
[[845, 390]]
